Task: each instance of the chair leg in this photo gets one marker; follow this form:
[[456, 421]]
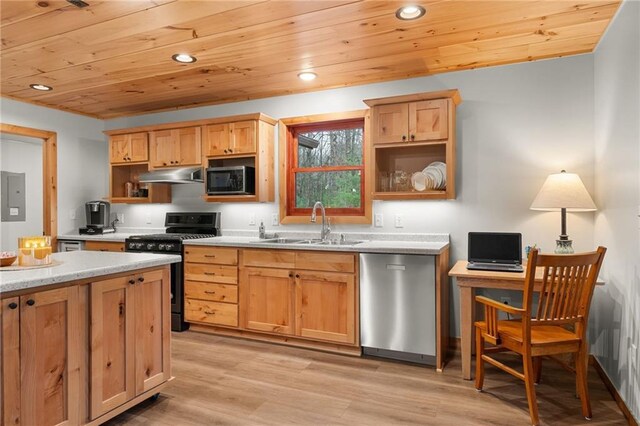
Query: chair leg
[[479, 361], [529, 377], [537, 369], [581, 381]]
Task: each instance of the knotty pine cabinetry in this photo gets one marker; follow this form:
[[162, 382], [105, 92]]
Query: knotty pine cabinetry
[[41, 352], [113, 246], [408, 133], [130, 335], [303, 295], [211, 285], [175, 147], [242, 140], [83, 353], [127, 148], [242, 143]]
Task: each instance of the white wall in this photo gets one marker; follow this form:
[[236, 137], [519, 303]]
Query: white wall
[[23, 156], [615, 317], [82, 156], [516, 124]]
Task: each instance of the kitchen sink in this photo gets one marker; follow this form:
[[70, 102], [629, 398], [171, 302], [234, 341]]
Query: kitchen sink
[[314, 241]]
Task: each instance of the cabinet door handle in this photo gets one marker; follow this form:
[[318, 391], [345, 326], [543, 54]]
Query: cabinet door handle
[[31, 302], [13, 305], [404, 137], [290, 274], [230, 150], [132, 281], [413, 137], [225, 151], [164, 164], [140, 279], [297, 275]]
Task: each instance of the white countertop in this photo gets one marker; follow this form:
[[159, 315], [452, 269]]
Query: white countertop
[[424, 247], [78, 265]]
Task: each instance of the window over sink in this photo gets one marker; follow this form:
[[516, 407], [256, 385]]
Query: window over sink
[[324, 158]]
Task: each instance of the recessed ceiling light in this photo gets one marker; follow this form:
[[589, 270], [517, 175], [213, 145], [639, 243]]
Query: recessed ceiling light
[[41, 87], [184, 58], [408, 13], [307, 76]]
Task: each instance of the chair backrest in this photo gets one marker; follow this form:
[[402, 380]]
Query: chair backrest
[[567, 286]]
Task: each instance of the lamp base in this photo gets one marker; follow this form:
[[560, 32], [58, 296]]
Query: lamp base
[[563, 246]]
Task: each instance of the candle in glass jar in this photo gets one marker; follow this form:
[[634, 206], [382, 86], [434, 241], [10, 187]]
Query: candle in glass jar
[[34, 251]]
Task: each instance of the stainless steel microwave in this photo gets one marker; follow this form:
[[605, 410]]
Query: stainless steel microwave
[[238, 180]]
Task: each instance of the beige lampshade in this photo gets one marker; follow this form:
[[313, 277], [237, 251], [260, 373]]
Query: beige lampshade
[[563, 190]]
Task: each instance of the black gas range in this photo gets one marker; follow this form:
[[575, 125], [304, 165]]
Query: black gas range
[[180, 227]]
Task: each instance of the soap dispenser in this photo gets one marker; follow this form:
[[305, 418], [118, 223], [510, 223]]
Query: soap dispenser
[[261, 232]]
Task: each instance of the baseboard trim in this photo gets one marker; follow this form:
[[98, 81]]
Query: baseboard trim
[[612, 390]]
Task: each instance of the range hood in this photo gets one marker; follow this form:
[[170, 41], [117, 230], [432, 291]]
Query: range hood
[[180, 175]]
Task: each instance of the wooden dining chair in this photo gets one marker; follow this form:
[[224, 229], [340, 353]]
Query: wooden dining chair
[[558, 325]]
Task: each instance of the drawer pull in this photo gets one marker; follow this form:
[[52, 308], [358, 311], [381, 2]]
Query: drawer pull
[[209, 292], [210, 312], [13, 305], [132, 281], [31, 302], [209, 255], [141, 279], [209, 273]]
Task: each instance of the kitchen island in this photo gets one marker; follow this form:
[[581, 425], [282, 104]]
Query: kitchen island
[[84, 339]]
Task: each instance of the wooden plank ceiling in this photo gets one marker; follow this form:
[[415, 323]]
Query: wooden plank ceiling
[[113, 58]]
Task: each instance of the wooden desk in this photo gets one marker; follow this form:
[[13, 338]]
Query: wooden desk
[[468, 281]]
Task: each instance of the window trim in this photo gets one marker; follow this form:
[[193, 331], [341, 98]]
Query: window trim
[[285, 176]]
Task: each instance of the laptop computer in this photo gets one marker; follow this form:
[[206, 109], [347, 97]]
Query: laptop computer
[[495, 251]]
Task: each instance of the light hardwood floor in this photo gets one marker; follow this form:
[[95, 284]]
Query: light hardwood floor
[[223, 380]]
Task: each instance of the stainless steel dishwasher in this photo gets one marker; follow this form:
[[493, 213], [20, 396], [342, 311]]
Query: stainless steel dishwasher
[[398, 307]]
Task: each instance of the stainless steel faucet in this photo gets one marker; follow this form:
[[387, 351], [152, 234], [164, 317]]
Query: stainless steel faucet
[[326, 224]]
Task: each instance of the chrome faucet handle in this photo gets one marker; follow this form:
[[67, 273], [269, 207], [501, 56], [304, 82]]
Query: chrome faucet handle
[[328, 230], [343, 238]]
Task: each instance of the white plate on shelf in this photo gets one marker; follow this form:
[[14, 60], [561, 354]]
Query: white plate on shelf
[[438, 170], [419, 181]]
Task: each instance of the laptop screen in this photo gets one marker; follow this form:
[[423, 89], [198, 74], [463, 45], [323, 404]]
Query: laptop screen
[[495, 247]]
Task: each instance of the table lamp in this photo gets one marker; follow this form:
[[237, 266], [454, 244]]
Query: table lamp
[[565, 192]]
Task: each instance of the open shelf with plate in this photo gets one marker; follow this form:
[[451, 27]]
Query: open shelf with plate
[[408, 134], [146, 193]]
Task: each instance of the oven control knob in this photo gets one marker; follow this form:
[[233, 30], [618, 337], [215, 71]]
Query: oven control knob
[[170, 247], [160, 246], [138, 245], [149, 246]]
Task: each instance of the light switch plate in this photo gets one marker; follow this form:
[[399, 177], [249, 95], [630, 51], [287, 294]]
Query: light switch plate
[[379, 222], [252, 219], [399, 221], [72, 214], [147, 219], [275, 219]]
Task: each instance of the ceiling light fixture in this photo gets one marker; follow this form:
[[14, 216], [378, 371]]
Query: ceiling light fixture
[[307, 76], [184, 58], [41, 87], [408, 13]]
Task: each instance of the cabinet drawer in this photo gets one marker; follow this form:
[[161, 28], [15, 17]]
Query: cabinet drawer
[[211, 312], [217, 255], [322, 261], [213, 292], [269, 258], [104, 246], [223, 274]]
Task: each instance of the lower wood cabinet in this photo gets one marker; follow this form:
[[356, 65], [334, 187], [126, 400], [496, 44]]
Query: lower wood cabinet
[[319, 305], [41, 351], [104, 246], [266, 300], [130, 332]]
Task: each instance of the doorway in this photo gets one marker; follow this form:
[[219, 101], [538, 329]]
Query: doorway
[[32, 140]]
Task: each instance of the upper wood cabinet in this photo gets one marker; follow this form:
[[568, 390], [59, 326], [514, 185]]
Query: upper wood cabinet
[[127, 148], [41, 355], [230, 138], [408, 134], [410, 122], [175, 147], [130, 336]]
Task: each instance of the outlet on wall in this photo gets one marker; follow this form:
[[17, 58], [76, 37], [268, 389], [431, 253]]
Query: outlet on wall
[[147, 219], [379, 222], [275, 219], [120, 217], [399, 223], [252, 219], [72, 214], [506, 300]]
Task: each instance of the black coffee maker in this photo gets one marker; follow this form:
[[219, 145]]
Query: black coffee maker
[[98, 214]]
